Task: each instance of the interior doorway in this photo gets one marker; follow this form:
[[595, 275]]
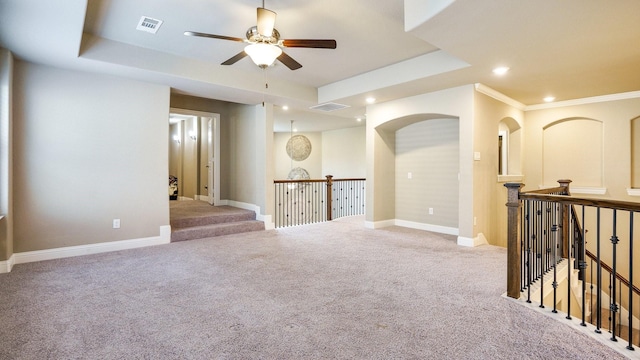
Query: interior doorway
[[194, 148]]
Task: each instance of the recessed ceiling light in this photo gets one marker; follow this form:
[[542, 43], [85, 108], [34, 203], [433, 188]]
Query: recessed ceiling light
[[285, 107], [501, 70], [358, 119], [371, 100], [295, 130], [549, 99]]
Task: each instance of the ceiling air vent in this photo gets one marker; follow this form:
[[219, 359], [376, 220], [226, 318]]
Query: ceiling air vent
[[148, 24], [329, 107]]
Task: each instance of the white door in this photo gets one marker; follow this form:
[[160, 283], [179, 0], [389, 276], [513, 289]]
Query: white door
[[210, 162]]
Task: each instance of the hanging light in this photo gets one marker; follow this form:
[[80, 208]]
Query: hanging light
[[263, 54]]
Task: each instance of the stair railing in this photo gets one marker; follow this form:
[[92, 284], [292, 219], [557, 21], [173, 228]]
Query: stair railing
[[544, 228], [307, 201]]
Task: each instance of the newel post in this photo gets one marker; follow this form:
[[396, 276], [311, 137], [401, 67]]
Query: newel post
[[329, 193], [513, 239], [564, 217]]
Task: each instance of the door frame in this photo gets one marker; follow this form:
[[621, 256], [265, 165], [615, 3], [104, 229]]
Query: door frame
[[216, 145]]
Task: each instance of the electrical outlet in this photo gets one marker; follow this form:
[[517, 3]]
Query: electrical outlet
[[409, 175], [116, 223], [430, 211]]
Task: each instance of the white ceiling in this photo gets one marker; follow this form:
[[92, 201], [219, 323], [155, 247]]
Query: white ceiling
[[569, 49]]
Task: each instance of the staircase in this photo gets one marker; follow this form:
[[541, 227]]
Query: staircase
[[198, 220]]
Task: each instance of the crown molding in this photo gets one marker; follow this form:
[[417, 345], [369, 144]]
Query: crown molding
[[583, 101], [481, 88]]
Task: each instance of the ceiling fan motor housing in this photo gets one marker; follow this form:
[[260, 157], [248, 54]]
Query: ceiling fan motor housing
[[254, 36]]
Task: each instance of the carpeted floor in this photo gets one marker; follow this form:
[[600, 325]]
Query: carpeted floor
[[323, 291]]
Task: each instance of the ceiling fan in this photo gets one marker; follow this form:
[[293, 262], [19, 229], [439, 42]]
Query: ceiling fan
[[265, 43]]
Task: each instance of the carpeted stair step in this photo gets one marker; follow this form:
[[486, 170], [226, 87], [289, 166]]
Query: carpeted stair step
[[205, 231], [211, 219]]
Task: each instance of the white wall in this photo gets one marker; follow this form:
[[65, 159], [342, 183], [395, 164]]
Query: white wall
[[344, 153], [284, 164], [6, 184], [90, 148]]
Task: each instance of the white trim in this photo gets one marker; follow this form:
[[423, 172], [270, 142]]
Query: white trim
[[7, 265], [427, 227], [69, 251], [484, 89], [510, 178], [580, 189], [583, 101], [268, 222], [243, 205], [633, 192], [473, 242], [588, 190], [379, 224]]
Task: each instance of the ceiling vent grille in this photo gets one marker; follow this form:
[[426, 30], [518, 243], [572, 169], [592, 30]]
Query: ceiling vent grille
[[329, 107], [148, 24]]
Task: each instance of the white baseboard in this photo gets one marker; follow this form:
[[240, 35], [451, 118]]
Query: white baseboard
[[472, 242], [379, 224], [411, 224], [267, 219], [7, 265], [69, 251], [427, 227]]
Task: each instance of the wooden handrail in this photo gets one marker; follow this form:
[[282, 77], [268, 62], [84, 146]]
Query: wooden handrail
[[315, 180], [603, 203], [610, 270], [552, 191]]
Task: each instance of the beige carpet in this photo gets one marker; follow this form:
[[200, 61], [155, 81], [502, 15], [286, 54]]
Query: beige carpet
[[323, 291]]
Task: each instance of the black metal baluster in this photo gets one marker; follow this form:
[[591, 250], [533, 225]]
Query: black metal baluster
[[614, 306], [554, 230], [529, 255], [598, 275], [630, 346], [523, 249], [591, 290], [541, 252], [583, 266], [569, 271]]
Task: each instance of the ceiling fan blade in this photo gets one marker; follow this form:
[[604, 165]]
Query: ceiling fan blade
[[266, 21], [235, 58], [289, 61], [195, 33], [310, 43]]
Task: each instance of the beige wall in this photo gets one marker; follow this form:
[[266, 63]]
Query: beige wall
[[615, 117], [251, 156], [427, 166], [6, 183], [344, 153], [490, 194], [90, 148], [382, 122], [284, 164]]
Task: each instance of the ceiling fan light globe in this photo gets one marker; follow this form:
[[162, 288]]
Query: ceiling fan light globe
[[263, 55]]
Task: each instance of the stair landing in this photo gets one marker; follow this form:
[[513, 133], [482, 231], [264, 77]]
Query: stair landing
[[197, 220]]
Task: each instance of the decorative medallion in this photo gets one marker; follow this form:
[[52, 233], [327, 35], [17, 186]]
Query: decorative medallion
[[298, 147]]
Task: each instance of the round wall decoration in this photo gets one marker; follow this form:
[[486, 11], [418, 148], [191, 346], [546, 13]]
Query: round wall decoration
[[298, 174], [298, 147]]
